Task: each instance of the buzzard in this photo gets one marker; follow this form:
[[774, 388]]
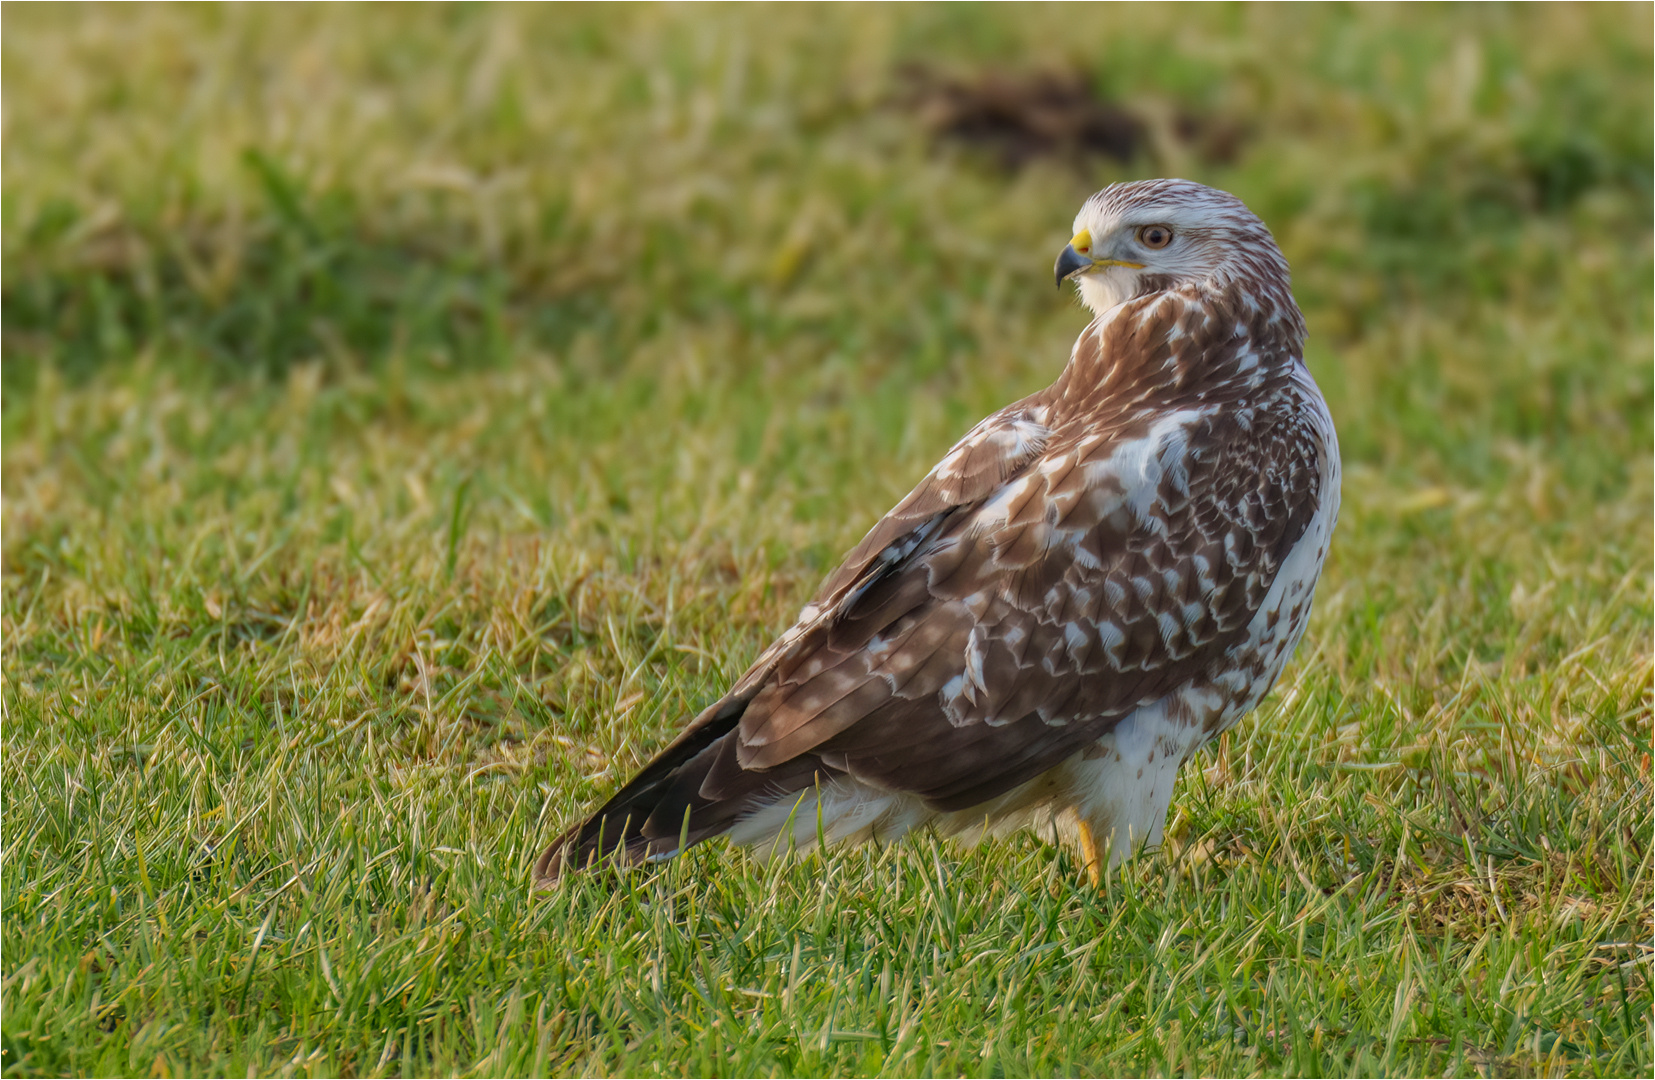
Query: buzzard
[[1091, 584]]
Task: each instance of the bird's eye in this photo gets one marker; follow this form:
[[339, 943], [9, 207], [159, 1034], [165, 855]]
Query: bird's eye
[[1155, 236]]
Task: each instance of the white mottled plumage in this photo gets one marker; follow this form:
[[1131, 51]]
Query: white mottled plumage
[[1086, 588]]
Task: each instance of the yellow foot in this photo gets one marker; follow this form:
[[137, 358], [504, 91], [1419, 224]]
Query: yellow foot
[[1089, 851]]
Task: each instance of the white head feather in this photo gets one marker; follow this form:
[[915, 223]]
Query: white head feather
[[1216, 241]]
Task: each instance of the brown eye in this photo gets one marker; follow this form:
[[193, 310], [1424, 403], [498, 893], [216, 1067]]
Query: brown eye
[[1155, 236]]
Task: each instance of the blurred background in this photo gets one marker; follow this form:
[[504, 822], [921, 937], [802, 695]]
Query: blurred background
[[832, 203]]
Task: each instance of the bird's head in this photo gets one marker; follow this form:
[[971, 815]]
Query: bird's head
[[1148, 235]]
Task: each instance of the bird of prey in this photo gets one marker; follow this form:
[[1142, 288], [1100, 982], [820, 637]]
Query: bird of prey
[[1091, 584]]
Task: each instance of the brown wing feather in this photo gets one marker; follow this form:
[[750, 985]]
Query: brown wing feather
[[1073, 606]]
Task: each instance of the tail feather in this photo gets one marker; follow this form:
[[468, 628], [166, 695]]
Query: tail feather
[[669, 805]]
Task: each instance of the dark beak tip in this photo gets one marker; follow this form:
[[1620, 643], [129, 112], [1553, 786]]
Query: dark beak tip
[[1070, 263]]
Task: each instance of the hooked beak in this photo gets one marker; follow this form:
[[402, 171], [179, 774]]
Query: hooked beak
[[1076, 259], [1070, 263]]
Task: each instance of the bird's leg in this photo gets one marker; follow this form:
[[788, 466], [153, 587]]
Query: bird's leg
[[1089, 852]]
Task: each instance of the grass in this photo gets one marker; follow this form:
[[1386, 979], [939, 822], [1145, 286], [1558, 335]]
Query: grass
[[412, 415]]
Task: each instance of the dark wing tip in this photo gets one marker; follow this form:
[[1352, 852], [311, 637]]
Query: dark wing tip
[[549, 867], [578, 852]]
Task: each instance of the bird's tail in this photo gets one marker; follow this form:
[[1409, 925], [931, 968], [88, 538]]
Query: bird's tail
[[692, 791]]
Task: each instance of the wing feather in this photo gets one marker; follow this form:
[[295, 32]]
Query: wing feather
[[1058, 592]]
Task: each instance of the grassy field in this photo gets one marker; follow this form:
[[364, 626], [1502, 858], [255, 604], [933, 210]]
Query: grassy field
[[411, 415]]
